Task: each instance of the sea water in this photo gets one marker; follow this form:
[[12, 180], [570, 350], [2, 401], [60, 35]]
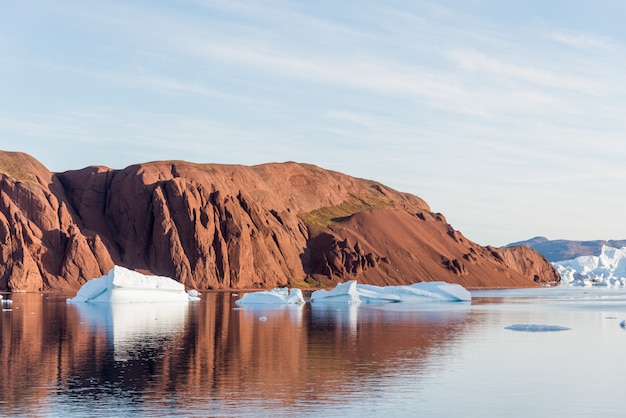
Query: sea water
[[534, 352]]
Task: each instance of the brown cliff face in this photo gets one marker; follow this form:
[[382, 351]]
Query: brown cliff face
[[226, 226]]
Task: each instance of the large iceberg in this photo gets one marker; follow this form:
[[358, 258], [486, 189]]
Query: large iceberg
[[351, 293], [607, 269], [274, 296], [124, 285]]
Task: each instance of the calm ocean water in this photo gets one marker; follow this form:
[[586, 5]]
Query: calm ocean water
[[212, 358]]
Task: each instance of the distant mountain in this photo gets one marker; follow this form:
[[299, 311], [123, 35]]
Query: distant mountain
[[231, 226], [561, 249]]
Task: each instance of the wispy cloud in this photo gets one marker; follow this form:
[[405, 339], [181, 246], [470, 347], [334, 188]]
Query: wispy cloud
[[439, 98], [589, 42]]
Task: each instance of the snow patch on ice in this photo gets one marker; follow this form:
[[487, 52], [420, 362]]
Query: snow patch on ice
[[351, 293], [607, 269], [536, 328], [275, 296], [124, 285]]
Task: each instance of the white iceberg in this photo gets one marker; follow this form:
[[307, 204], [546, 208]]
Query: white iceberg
[[122, 285], [342, 293], [607, 269], [275, 296], [351, 292]]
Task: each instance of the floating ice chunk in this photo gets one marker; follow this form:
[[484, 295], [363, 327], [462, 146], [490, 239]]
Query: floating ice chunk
[[373, 294], [441, 291], [351, 292], [123, 285], [342, 293], [274, 296], [193, 294], [536, 328], [263, 318]]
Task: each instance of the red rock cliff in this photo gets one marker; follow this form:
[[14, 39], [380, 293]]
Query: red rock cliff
[[227, 226]]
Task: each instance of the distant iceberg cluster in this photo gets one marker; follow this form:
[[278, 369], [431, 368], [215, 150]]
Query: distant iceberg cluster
[[127, 286], [353, 293], [607, 269]]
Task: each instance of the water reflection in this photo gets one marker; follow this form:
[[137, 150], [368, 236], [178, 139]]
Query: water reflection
[[133, 327], [210, 357]]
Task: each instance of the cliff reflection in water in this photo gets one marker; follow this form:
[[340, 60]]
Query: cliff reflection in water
[[207, 353]]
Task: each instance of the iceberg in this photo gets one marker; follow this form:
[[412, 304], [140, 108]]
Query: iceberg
[[351, 293], [342, 293], [122, 285], [607, 269], [275, 296]]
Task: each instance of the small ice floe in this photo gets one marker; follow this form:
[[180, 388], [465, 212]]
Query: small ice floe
[[263, 318], [123, 285], [351, 293], [282, 296], [193, 294], [536, 328]]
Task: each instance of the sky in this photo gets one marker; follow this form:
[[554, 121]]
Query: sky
[[509, 117]]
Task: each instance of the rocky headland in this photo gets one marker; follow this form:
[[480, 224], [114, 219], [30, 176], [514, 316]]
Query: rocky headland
[[214, 226]]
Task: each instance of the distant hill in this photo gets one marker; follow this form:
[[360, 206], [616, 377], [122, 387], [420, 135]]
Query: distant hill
[[561, 249]]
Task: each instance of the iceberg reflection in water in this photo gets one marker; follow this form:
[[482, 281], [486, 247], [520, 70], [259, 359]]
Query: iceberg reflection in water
[[134, 326]]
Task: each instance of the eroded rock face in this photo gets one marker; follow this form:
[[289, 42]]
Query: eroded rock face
[[224, 226]]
